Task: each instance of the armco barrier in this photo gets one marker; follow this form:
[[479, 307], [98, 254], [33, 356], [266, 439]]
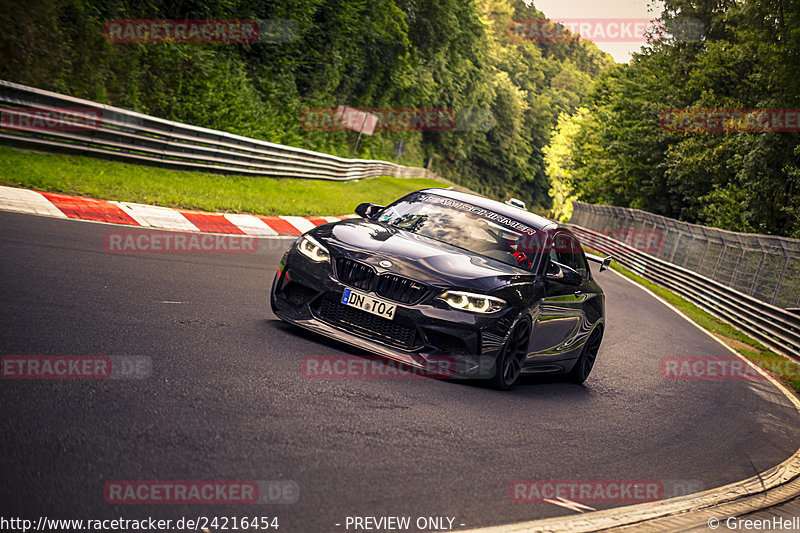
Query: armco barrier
[[111, 132], [772, 326]]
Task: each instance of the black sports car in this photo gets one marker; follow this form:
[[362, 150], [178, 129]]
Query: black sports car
[[489, 289]]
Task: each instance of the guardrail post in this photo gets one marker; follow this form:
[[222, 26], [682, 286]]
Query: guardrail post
[[719, 258], [780, 281], [737, 270], [705, 251], [675, 248], [758, 273]]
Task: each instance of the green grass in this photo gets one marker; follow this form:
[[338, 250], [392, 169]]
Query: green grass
[[785, 370], [111, 180]]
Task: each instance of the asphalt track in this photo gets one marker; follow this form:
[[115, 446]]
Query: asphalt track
[[226, 400]]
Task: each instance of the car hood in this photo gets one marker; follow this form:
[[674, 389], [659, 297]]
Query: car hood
[[414, 256]]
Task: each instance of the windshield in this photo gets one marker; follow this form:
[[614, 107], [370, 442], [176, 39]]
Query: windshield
[[467, 226]]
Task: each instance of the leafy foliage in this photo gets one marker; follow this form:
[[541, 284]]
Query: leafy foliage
[[454, 54], [746, 55]]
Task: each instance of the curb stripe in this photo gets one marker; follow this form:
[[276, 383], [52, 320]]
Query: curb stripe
[[250, 224], [212, 222], [317, 221], [281, 226], [302, 224], [89, 209], [133, 214], [27, 201], [156, 216]]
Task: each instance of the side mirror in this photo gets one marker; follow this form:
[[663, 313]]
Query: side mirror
[[563, 274], [367, 210], [604, 261]]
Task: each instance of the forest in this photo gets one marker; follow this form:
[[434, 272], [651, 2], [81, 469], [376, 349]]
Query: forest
[[545, 120], [459, 56], [617, 148]]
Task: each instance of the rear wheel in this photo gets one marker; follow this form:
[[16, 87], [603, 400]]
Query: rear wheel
[[585, 363], [509, 362]]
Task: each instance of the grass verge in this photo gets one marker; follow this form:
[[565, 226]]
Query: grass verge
[[782, 368], [110, 180]]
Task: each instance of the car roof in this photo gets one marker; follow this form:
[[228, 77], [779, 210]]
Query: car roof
[[531, 219]]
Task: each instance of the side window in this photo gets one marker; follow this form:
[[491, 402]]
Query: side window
[[567, 251], [580, 259]]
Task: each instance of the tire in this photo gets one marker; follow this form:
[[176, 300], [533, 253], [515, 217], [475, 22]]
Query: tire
[[508, 365], [583, 366]]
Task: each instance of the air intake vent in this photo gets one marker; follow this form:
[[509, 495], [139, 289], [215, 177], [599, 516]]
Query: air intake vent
[[366, 324], [355, 274], [400, 289]]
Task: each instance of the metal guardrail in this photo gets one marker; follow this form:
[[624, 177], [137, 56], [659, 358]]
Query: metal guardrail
[[774, 327], [111, 132], [766, 267]]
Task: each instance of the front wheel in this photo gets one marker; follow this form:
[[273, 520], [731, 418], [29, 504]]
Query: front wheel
[[509, 362], [585, 363]]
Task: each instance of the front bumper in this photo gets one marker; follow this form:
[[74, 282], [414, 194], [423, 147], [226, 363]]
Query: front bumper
[[441, 341]]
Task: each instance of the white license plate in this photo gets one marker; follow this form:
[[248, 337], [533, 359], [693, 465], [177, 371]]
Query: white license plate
[[368, 303]]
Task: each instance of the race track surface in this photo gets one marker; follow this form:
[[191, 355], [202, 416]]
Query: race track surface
[[226, 400]]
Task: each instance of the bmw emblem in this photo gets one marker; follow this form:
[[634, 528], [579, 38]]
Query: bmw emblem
[[385, 264]]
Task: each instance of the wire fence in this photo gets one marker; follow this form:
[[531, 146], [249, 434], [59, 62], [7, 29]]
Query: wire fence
[[764, 267], [776, 328]]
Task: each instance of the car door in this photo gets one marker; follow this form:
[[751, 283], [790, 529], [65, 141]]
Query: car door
[[562, 318]]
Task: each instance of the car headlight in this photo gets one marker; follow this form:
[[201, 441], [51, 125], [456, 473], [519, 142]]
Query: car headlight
[[310, 248], [476, 303]]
